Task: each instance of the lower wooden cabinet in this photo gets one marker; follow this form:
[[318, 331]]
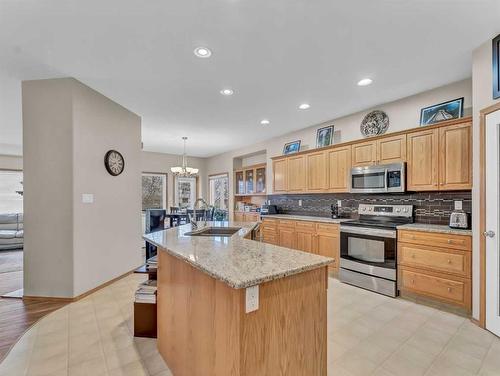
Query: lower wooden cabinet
[[307, 236], [436, 266], [246, 216]]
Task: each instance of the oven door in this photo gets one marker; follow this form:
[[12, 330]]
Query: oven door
[[368, 250]]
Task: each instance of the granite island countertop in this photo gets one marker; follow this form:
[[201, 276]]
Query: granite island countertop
[[307, 218], [237, 261], [443, 229]]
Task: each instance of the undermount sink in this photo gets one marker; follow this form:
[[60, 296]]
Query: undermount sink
[[214, 231]]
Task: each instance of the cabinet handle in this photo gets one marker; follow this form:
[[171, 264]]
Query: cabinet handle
[[449, 261], [413, 281], [450, 241], [449, 289]]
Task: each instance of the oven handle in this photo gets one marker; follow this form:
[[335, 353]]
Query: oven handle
[[369, 231]]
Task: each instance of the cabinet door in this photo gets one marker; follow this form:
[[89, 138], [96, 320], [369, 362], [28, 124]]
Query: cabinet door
[[297, 174], [239, 217], [249, 181], [260, 180], [280, 171], [423, 159], [364, 153], [455, 157], [239, 182], [317, 173], [339, 169], [287, 238], [305, 242], [391, 149], [328, 246]]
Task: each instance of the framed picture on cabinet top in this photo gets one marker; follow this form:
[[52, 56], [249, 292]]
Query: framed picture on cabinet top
[[443, 111], [324, 136], [496, 67], [291, 147]]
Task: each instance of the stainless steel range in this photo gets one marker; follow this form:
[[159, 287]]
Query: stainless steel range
[[368, 247]]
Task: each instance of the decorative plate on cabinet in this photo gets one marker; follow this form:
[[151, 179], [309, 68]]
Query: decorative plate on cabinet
[[375, 123], [114, 162]]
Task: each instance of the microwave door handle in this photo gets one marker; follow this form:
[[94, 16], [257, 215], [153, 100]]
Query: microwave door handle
[[386, 182]]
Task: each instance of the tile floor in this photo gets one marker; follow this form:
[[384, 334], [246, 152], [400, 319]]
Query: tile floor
[[368, 334]]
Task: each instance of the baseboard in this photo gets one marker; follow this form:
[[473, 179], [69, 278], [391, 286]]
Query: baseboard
[[78, 297]]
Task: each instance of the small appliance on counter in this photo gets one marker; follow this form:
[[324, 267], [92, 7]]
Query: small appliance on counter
[[459, 220], [268, 209], [335, 211]]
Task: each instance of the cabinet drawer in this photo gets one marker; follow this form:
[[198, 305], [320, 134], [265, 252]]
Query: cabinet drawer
[[331, 229], [461, 242], [440, 260], [286, 223], [269, 221], [305, 226], [270, 238], [269, 229], [451, 290]]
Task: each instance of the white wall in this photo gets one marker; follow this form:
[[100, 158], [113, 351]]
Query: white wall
[[482, 90], [72, 247], [403, 114]]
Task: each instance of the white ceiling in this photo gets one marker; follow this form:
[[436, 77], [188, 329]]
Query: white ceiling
[[275, 54]]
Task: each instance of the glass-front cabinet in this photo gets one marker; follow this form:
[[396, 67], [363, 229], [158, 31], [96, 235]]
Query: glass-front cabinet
[[240, 183], [250, 180], [260, 180]]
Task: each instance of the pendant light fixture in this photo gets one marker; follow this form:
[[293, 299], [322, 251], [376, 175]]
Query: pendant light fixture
[[184, 170]]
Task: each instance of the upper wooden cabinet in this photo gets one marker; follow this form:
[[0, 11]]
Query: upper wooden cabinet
[[455, 157], [297, 173], [422, 172], [280, 175], [339, 165], [391, 149], [386, 150], [317, 172], [438, 157], [364, 153]]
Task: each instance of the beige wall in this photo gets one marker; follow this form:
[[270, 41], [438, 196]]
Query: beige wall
[[403, 114], [48, 188], [11, 162], [106, 240], [482, 90], [71, 247]]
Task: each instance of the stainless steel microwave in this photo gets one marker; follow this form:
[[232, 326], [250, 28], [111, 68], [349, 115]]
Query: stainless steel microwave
[[387, 178]]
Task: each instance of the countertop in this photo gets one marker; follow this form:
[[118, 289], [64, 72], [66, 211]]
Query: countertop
[[238, 262], [307, 218], [443, 229]]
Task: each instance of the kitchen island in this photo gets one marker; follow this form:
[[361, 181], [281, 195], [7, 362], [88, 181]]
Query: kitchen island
[[212, 320]]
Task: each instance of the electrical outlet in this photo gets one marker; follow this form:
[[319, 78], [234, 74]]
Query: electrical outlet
[[87, 198], [252, 299], [458, 205], [339, 203], [300, 202]]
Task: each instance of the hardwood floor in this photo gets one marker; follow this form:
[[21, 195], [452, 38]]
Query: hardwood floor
[[17, 315]]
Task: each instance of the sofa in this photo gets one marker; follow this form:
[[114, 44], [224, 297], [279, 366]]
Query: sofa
[[11, 231]]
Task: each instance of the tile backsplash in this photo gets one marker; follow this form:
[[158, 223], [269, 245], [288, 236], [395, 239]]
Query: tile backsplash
[[430, 207]]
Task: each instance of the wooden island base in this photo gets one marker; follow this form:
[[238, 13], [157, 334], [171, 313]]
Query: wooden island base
[[203, 328]]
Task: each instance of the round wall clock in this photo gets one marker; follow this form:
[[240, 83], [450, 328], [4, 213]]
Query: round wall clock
[[114, 162], [375, 123]]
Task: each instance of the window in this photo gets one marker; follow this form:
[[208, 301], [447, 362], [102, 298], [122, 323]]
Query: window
[[185, 192], [11, 191], [219, 191], [154, 191]]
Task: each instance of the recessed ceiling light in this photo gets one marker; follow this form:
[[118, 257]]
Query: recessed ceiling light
[[304, 106], [365, 82], [202, 52], [227, 92], [265, 122]]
